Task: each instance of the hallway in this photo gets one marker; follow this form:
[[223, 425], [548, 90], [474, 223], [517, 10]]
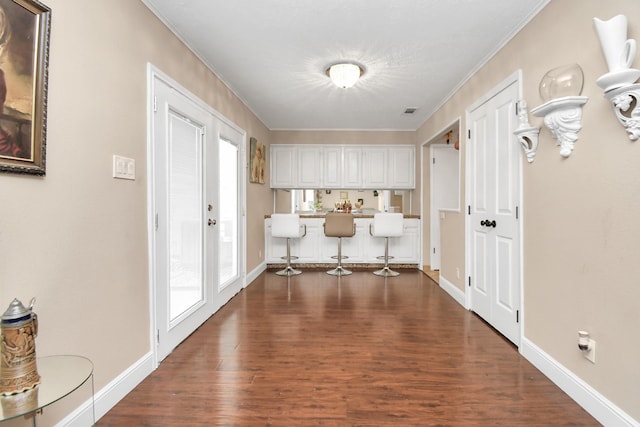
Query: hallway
[[358, 350]]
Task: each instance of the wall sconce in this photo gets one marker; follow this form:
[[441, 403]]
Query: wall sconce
[[623, 99], [619, 83], [560, 88], [527, 135]]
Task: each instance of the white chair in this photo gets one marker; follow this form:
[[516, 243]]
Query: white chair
[[288, 226], [387, 225]]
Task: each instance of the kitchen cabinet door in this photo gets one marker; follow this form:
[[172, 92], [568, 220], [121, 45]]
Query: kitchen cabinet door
[[406, 249], [375, 167], [283, 170], [309, 167], [352, 167], [332, 166], [402, 167]]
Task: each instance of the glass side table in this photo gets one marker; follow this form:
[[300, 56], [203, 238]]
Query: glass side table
[[59, 377]]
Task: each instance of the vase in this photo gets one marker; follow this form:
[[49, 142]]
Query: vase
[[619, 51]]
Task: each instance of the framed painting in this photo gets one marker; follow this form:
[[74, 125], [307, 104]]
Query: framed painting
[[258, 157], [24, 54]]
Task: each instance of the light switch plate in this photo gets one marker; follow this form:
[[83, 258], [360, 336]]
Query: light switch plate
[[124, 167]]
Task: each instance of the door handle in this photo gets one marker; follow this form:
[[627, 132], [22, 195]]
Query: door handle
[[491, 223], [211, 222], [483, 223]]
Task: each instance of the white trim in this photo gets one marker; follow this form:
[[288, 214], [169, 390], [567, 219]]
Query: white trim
[[111, 394], [452, 290], [601, 408], [253, 274]]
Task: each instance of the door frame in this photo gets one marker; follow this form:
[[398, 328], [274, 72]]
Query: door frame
[[435, 211], [154, 73], [516, 78], [425, 192]]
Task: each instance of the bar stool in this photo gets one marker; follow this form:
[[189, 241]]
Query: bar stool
[[339, 225], [386, 225], [289, 227]]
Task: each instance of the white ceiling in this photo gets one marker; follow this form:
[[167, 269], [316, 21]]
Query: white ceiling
[[273, 53]]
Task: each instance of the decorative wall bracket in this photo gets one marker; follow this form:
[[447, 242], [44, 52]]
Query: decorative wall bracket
[[563, 117], [626, 104], [527, 135]]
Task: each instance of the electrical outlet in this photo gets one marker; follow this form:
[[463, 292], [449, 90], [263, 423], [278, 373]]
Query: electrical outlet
[[457, 272], [590, 355], [259, 253]]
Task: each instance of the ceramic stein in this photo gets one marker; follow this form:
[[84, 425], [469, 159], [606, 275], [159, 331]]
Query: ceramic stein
[[19, 327], [618, 50]]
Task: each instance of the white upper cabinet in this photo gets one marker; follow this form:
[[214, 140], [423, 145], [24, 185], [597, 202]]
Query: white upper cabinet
[[343, 166], [375, 169], [352, 167], [402, 167], [309, 167], [332, 166], [283, 161]]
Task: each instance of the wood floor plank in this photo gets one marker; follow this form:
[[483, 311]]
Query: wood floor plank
[[361, 350]]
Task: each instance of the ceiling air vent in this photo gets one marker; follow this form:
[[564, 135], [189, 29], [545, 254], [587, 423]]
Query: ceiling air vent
[[409, 111]]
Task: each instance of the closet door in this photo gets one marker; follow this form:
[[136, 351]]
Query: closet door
[[494, 168]]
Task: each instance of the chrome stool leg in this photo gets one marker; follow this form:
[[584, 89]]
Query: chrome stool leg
[[288, 270], [339, 270], [386, 271]]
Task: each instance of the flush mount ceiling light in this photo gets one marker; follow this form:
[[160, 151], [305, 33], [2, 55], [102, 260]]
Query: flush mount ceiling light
[[344, 75]]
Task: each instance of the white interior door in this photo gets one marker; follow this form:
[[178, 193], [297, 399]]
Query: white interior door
[[494, 186], [444, 192], [196, 191]]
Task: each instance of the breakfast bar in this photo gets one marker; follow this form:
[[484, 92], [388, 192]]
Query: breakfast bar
[[362, 250]]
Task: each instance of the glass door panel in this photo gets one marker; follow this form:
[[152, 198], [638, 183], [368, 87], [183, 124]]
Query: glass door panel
[[186, 284], [228, 203]]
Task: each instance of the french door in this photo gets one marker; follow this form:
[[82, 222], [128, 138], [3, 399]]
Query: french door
[[493, 223], [197, 193]]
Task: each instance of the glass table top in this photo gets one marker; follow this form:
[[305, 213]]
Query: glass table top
[[59, 376]]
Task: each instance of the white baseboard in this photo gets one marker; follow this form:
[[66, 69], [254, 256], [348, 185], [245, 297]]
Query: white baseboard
[[452, 290], [110, 395], [253, 274], [586, 396]]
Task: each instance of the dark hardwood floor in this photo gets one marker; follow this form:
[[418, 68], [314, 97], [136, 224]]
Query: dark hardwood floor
[[359, 350]]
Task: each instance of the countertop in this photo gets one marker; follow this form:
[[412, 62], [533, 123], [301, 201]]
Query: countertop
[[355, 214]]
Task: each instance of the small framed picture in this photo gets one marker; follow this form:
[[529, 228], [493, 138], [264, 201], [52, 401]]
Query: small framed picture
[[258, 157]]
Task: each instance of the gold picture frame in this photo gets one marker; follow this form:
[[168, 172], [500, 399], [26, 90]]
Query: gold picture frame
[[258, 156], [24, 57]]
